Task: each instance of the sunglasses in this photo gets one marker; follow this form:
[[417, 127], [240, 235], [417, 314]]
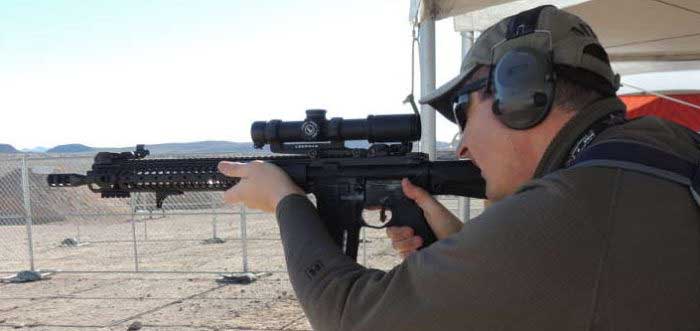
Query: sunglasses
[[461, 101]]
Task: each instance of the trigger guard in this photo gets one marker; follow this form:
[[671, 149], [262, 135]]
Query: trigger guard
[[382, 217]]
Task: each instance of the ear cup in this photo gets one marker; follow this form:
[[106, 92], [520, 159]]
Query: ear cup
[[523, 88]]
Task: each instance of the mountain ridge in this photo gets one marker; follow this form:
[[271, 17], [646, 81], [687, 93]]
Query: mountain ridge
[[7, 148], [207, 146]]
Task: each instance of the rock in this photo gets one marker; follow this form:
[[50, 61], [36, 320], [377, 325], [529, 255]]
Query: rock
[[243, 278], [70, 242], [135, 326], [28, 276]]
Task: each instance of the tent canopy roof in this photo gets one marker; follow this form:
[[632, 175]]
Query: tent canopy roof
[[640, 35]]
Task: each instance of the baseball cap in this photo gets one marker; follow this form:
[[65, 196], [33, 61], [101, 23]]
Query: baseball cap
[[576, 52]]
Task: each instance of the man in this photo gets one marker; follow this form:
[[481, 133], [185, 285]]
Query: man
[[566, 246]]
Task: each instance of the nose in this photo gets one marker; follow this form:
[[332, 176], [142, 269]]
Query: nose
[[462, 149]]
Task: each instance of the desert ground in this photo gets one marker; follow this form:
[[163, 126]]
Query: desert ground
[[96, 287]]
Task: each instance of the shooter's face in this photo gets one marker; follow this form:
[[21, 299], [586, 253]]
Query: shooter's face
[[500, 152]]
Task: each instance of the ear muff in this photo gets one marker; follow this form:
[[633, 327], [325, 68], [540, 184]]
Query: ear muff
[[522, 83]]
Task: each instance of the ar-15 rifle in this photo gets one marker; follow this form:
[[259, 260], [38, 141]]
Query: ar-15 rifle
[[344, 180]]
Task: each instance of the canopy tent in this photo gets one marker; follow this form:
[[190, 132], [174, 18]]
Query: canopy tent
[[648, 104], [640, 35]]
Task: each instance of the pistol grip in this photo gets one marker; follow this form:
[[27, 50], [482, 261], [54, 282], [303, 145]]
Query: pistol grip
[[405, 212]]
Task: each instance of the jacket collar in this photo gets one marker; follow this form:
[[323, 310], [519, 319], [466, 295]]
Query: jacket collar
[[557, 153]]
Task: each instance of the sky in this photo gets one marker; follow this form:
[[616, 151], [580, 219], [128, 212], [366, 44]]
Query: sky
[[118, 73]]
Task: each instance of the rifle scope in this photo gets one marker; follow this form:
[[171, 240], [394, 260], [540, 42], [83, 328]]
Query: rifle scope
[[375, 128]]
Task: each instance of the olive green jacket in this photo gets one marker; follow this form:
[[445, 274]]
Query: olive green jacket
[[586, 248]]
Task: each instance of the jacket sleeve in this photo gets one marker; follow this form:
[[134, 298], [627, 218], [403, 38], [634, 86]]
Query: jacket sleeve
[[530, 258]]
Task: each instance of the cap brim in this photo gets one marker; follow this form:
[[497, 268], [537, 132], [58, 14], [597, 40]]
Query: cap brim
[[442, 98]]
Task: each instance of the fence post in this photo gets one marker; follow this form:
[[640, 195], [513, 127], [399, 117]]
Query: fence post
[[214, 235], [364, 247], [27, 210], [464, 208], [132, 205], [244, 238]]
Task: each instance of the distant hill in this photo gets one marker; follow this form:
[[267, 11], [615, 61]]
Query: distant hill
[[7, 148], [189, 148], [205, 147], [38, 149], [70, 148]]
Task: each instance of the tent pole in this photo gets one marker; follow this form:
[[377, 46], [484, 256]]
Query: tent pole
[[464, 204], [663, 96], [426, 37]]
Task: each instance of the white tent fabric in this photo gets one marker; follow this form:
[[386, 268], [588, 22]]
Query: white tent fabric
[[439, 9], [646, 35], [481, 19], [640, 35]]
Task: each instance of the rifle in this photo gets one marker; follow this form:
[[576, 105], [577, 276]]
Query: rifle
[[344, 180]]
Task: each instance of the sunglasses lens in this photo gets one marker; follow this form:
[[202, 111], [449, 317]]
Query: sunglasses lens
[[461, 102], [459, 109]]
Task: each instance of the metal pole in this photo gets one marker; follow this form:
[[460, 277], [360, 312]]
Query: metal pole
[[145, 221], [213, 220], [132, 204], [364, 247], [468, 38], [27, 211], [244, 238], [426, 37], [464, 204], [145, 225]]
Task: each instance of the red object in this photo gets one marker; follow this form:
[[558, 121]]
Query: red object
[[646, 104]]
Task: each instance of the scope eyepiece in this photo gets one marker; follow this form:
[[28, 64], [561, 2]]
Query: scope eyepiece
[[316, 128]]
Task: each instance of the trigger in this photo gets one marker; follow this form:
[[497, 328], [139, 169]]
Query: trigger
[[382, 214]]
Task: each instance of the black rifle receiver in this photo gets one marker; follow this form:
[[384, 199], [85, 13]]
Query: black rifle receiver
[[344, 180]]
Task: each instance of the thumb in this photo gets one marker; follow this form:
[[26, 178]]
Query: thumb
[[415, 193], [233, 169]]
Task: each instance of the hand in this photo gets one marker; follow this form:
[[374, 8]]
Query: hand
[[403, 240], [440, 219], [262, 184]]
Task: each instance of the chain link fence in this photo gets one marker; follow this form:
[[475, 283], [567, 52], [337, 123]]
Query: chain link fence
[[74, 230]]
